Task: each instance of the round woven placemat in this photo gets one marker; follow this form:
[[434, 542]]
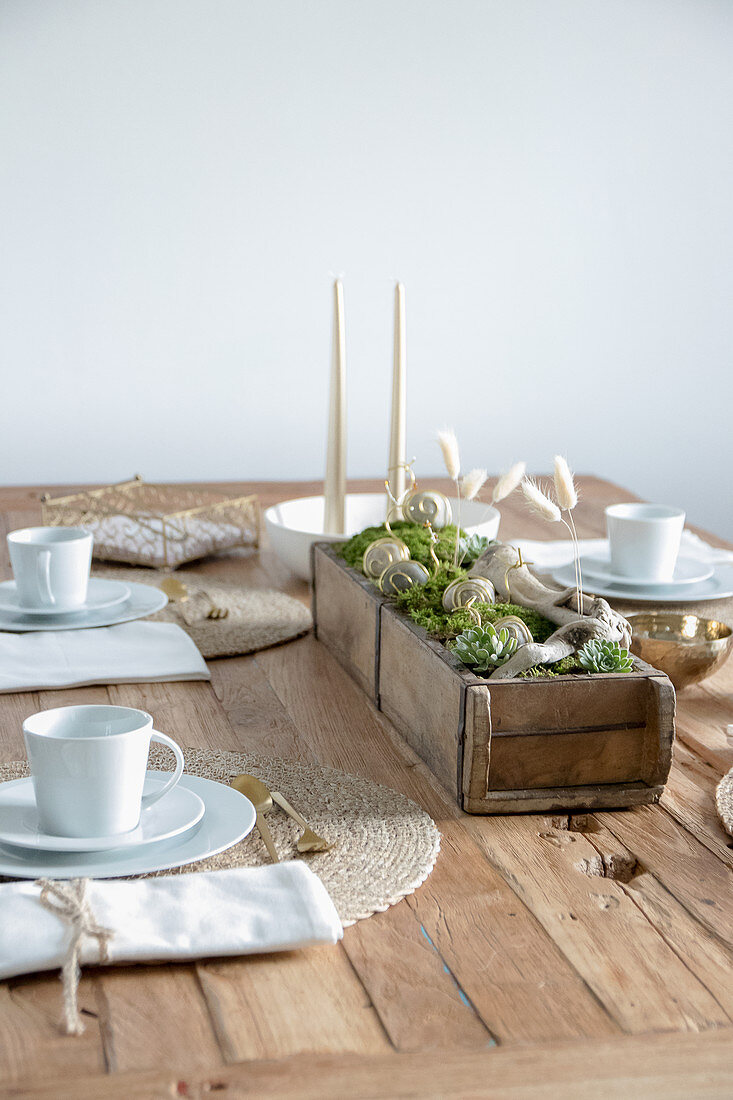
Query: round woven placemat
[[724, 801], [384, 845], [255, 617]]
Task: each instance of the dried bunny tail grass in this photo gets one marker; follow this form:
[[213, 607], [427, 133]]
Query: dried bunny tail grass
[[472, 483], [539, 502], [508, 482], [449, 446], [565, 491]]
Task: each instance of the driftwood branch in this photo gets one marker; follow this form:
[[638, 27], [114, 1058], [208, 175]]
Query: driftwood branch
[[577, 624]]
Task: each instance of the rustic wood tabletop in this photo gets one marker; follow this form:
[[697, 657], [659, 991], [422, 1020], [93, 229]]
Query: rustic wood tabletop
[[508, 974]]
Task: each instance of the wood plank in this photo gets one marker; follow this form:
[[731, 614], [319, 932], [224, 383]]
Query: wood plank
[[599, 929], [681, 863], [155, 1016], [255, 713], [655, 1067], [348, 619], [297, 1002], [610, 796], [703, 952], [690, 798], [419, 1000], [31, 1041], [566, 759], [705, 714], [422, 697], [569, 704]]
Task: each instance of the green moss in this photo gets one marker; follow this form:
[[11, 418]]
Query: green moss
[[425, 606], [424, 603], [415, 537], [560, 668]]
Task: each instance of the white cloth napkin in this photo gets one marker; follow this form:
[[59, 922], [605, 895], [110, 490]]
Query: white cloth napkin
[[554, 554], [137, 652], [279, 907]]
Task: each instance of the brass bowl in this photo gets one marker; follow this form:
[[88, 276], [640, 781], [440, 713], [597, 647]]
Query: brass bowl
[[686, 647]]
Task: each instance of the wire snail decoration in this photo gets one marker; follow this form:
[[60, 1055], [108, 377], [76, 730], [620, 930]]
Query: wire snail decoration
[[426, 506], [516, 627], [402, 575], [461, 592], [382, 553]]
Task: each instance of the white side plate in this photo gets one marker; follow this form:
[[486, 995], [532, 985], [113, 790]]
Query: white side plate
[[100, 594], [717, 587], [228, 818], [143, 600], [177, 813]]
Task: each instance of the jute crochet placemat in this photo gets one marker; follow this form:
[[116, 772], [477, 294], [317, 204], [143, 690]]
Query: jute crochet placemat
[[724, 801], [256, 617], [384, 845]]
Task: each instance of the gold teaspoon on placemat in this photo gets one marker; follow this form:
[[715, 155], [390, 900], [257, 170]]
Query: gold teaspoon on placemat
[[177, 592], [259, 796], [255, 789]]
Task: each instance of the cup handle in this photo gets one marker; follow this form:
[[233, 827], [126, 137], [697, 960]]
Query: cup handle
[[149, 799], [43, 577]]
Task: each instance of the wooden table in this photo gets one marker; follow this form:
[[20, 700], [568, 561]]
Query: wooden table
[[508, 974]]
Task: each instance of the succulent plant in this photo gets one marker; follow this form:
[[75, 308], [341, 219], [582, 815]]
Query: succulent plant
[[601, 656], [470, 548], [484, 647]]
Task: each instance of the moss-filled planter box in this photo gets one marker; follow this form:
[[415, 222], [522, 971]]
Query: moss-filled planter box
[[574, 742]]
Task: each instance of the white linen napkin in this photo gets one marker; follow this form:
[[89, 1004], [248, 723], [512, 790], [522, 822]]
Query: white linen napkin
[[244, 911], [137, 652], [554, 554]]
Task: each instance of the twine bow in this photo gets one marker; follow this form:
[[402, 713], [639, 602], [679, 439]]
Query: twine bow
[[69, 902]]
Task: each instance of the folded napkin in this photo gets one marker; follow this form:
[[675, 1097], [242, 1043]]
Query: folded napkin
[[554, 554], [137, 652], [49, 923], [279, 907]]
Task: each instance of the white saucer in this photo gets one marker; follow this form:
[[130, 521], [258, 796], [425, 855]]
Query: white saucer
[[686, 571], [229, 817], [717, 587], [100, 594], [143, 600], [177, 813]]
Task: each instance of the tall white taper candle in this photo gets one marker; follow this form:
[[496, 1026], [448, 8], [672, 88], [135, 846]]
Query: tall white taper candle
[[335, 484], [397, 454]]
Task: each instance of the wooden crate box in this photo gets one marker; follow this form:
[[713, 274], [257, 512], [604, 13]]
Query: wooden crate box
[[566, 743]]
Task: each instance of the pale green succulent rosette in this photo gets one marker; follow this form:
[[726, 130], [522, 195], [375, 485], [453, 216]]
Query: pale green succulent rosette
[[603, 656], [484, 648]]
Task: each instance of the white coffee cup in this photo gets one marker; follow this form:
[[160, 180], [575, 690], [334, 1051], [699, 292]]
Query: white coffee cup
[[644, 540], [88, 767], [51, 566]]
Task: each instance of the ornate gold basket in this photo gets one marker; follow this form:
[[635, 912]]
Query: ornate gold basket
[[162, 526]]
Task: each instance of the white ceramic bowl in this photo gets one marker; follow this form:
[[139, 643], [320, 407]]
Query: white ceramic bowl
[[294, 525]]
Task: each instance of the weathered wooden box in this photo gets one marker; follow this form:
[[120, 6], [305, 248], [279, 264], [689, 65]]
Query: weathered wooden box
[[567, 743]]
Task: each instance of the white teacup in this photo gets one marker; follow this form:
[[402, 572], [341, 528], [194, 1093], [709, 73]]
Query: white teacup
[[644, 540], [88, 766], [51, 566]]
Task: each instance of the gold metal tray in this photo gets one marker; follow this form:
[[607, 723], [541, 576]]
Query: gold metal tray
[[162, 526]]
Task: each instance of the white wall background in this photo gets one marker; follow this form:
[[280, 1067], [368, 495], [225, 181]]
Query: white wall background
[[552, 179]]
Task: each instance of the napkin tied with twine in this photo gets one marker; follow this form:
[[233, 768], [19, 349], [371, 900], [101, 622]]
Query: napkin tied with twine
[[68, 924]]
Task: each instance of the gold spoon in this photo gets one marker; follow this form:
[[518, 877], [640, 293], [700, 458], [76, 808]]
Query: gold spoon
[[259, 796], [310, 841], [174, 589], [177, 592]]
